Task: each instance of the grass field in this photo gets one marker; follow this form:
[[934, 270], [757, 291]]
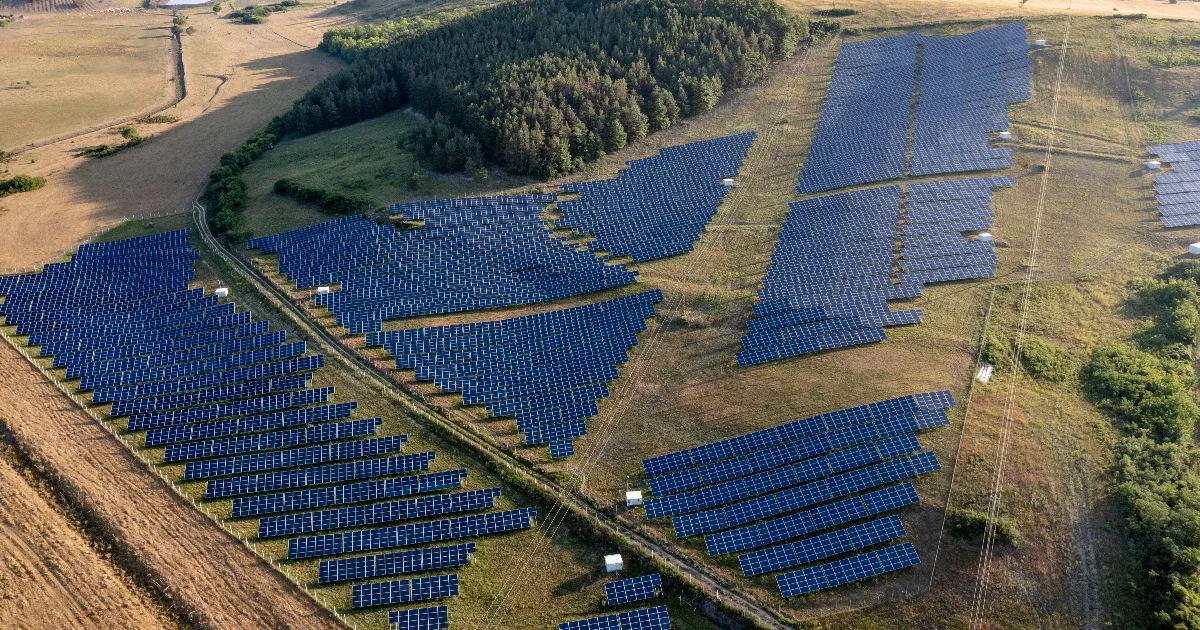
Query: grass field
[[59, 76]]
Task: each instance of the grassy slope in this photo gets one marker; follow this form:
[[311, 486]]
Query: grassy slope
[[1099, 230]]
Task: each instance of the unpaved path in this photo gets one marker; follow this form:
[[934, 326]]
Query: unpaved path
[[50, 577], [211, 572]]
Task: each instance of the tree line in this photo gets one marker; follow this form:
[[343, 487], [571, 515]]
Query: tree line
[[545, 86]]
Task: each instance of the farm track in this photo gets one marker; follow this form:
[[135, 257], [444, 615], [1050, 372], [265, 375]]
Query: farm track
[[717, 589], [219, 582]]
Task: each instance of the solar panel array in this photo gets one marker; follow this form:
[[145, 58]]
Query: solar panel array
[[656, 206], [764, 494], [634, 589], [1178, 192], [833, 270], [470, 254], [862, 135], [548, 369], [231, 401], [655, 618], [428, 618], [947, 94], [847, 570], [967, 83]]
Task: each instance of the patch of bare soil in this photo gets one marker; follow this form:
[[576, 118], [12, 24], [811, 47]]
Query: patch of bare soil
[[212, 574], [50, 577]]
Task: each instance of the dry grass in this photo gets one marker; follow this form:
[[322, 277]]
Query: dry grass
[[63, 72]]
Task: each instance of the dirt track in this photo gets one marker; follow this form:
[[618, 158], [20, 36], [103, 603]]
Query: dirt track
[[212, 573], [49, 575]]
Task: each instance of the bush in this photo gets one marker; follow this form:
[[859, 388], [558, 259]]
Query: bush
[[20, 183], [216, 7], [967, 523], [328, 200], [997, 351], [158, 119], [835, 13], [1158, 489], [1151, 394], [226, 192], [1046, 362]]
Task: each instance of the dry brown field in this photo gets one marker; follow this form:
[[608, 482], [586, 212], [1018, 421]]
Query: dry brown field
[[51, 576]]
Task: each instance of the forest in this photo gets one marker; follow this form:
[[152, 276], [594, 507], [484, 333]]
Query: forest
[[546, 86]]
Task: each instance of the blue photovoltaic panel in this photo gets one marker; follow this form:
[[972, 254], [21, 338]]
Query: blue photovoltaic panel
[[923, 403], [469, 254], [403, 591], [604, 622], [821, 546], [317, 475], [377, 513], [633, 589], [645, 619], [1178, 193], [547, 370], [852, 569], [656, 206], [349, 493], [396, 563], [410, 534], [429, 618], [774, 530]]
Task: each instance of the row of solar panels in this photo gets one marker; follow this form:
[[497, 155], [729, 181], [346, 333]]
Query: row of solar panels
[[547, 369], [834, 267], [468, 255], [173, 358], [777, 496], [1178, 192], [656, 206], [946, 94]]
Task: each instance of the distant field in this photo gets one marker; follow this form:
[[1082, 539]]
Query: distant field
[[61, 76]]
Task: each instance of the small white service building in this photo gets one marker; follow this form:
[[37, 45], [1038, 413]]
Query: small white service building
[[613, 563]]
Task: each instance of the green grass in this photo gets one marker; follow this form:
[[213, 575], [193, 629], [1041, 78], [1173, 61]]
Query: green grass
[[361, 159]]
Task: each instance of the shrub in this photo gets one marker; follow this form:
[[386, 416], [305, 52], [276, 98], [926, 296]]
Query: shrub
[[327, 200], [1150, 393], [216, 7], [1046, 362], [226, 192], [967, 523], [997, 351], [20, 183], [835, 13], [158, 119]]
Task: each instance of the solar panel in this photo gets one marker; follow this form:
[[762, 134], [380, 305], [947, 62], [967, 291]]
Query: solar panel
[[633, 589], [645, 619], [847, 570], [410, 534], [604, 622], [429, 618], [403, 591], [396, 563]]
